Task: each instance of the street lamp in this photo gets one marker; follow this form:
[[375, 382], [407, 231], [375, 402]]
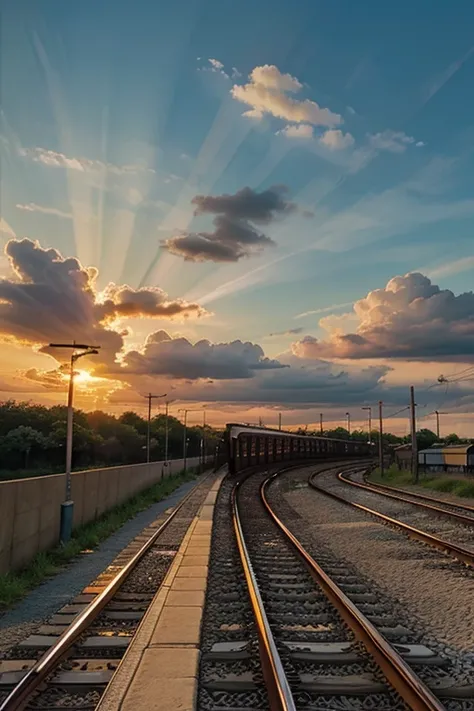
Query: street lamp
[[370, 422], [67, 507], [150, 397], [437, 421], [185, 441], [348, 415]]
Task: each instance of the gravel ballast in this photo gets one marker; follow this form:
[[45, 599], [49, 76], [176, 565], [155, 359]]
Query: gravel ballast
[[431, 586]]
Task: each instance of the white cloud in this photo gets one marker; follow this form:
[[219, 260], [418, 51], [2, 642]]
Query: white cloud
[[420, 144], [267, 92], [326, 309], [33, 207], [391, 141], [84, 165], [336, 140], [410, 318], [216, 64], [302, 130]]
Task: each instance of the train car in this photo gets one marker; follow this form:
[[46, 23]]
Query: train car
[[248, 446]]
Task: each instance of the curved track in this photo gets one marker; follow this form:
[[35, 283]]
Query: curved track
[[459, 552], [437, 506], [49, 662], [395, 669]]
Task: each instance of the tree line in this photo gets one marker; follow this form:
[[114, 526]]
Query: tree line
[[425, 438], [33, 438]]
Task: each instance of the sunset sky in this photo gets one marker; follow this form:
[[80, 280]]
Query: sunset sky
[[260, 206]]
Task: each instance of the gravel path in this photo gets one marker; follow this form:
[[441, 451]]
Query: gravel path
[[43, 601], [432, 587]]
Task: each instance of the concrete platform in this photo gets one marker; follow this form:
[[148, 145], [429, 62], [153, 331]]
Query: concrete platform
[[159, 671]]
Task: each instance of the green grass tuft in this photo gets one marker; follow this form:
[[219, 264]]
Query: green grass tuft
[[15, 585], [446, 484]]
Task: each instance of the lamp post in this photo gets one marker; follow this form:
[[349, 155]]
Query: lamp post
[[185, 441], [321, 423], [370, 422], [381, 437], [348, 415], [150, 397], [67, 507]]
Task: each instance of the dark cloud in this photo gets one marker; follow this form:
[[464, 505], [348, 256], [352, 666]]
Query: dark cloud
[[178, 358], [289, 332], [410, 318], [234, 236], [51, 299]]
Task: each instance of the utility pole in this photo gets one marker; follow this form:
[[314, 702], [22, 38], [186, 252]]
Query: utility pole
[[414, 448], [150, 397], [381, 437], [437, 421], [67, 507], [370, 422], [166, 432], [321, 422], [348, 415], [279, 420], [184, 436]]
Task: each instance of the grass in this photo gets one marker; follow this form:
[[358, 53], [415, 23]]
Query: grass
[[445, 484], [16, 584]]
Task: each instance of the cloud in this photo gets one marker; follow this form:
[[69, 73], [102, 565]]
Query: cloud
[[147, 302], [449, 268], [391, 141], [178, 358], [33, 207], [288, 332], [336, 140], [50, 298], [267, 93], [54, 159], [234, 235], [6, 231], [216, 64], [302, 130], [410, 318], [323, 310]]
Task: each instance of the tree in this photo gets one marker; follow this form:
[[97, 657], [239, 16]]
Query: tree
[[425, 439], [452, 439], [22, 440]]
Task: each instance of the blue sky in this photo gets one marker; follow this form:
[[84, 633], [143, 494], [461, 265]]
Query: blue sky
[[128, 91]]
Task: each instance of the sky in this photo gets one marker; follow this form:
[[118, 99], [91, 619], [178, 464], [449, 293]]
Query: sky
[[256, 207]]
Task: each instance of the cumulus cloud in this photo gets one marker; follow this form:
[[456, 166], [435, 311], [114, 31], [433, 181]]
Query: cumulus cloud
[[123, 301], [391, 141], [302, 130], [51, 298], [267, 92], [410, 318], [336, 140], [54, 159], [178, 358], [234, 235], [33, 207]]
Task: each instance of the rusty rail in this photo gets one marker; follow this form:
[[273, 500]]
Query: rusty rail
[[403, 679]]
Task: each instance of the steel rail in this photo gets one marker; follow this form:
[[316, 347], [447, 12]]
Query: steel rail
[[424, 497], [463, 554], [279, 692], [403, 679], [50, 659], [469, 520]]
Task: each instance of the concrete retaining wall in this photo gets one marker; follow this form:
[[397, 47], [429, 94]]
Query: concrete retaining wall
[[30, 508]]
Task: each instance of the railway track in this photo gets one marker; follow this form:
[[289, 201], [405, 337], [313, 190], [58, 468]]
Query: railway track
[[445, 543], [71, 658], [308, 634]]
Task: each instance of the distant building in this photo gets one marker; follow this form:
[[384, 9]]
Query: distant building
[[402, 456], [453, 458]]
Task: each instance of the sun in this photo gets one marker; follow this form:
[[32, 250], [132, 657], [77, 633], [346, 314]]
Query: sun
[[83, 377]]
